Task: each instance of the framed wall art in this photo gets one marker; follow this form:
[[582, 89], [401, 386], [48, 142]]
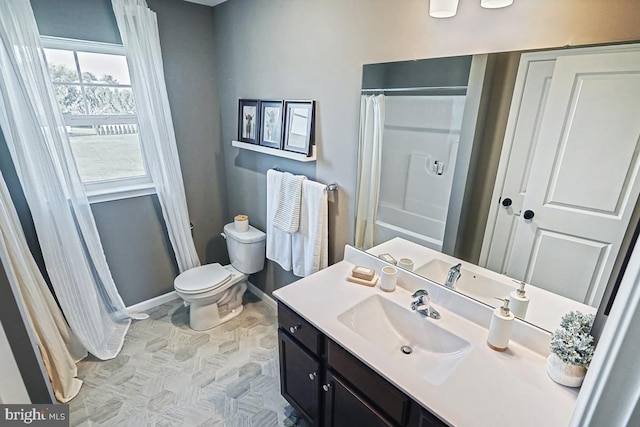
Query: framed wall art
[[248, 120], [299, 126], [272, 115]]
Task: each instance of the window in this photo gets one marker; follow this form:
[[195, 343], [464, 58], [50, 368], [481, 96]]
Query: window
[[93, 88]]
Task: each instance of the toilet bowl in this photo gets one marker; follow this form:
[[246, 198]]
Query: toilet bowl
[[214, 291]]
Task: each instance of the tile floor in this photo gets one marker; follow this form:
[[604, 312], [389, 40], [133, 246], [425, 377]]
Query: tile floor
[[170, 375]]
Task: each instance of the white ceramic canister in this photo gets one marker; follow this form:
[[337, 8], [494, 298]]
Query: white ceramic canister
[[406, 263], [388, 278]]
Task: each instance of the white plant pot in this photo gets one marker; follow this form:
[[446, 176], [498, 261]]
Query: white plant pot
[[564, 373]]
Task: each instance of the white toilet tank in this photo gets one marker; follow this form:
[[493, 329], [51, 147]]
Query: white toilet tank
[[246, 249]]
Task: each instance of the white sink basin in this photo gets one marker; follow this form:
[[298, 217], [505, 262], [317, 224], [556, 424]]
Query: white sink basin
[[435, 352], [471, 284]]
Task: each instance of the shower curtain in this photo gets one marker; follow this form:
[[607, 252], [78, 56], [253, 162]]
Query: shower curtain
[[369, 158], [59, 347]]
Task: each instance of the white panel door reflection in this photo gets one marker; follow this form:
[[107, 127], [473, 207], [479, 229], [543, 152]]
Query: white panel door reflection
[[584, 181]]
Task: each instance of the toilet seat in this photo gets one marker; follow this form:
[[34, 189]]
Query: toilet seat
[[202, 279]]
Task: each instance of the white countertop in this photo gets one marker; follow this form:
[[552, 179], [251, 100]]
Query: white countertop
[[487, 388]]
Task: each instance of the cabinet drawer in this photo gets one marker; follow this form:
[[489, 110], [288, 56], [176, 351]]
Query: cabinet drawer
[[386, 397], [300, 329]]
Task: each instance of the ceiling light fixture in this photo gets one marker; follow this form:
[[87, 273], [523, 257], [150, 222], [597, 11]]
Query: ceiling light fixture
[[443, 8], [495, 4]]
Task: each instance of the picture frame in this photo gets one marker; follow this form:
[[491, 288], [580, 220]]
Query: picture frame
[[248, 120], [299, 126], [271, 124]]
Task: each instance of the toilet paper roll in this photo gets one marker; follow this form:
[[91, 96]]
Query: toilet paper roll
[[241, 223]]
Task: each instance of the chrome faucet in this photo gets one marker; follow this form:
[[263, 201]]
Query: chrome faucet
[[452, 276], [423, 304]]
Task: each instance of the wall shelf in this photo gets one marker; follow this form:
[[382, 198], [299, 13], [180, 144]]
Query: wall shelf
[[275, 152]]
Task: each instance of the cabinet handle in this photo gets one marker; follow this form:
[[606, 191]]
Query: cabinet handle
[[326, 387], [294, 328], [313, 376]]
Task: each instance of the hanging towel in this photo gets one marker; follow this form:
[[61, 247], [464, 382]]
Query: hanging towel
[[287, 215], [311, 242], [278, 241]]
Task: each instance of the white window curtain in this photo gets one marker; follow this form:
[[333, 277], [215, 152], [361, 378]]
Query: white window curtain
[[34, 131], [59, 347], [139, 31], [369, 158]]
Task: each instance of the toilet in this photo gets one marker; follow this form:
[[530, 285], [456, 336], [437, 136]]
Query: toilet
[[215, 291]]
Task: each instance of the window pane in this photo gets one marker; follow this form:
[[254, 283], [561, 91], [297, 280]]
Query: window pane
[[103, 68], [70, 99], [109, 100], [105, 152], [62, 66]]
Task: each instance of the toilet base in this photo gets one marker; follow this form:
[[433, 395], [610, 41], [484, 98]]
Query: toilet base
[[211, 314], [207, 317]]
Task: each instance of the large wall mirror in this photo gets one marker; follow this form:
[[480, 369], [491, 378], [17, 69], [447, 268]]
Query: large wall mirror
[[522, 167]]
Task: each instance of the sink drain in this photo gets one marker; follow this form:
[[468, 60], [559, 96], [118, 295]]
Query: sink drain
[[406, 349]]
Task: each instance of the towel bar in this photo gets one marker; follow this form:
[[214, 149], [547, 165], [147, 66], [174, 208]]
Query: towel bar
[[330, 187]]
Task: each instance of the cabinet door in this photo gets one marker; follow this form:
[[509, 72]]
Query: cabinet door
[[299, 378], [345, 408]]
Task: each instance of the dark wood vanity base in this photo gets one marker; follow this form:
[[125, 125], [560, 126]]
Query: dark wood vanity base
[[332, 388]]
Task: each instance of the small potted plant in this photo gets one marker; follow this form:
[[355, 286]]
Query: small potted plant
[[571, 349]]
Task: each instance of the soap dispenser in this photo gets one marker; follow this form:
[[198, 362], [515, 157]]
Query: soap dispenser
[[519, 301], [500, 327]]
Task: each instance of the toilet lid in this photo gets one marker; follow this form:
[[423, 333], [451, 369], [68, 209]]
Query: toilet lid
[[202, 279]]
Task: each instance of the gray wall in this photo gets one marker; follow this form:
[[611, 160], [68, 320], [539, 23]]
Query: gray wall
[[433, 73], [132, 230], [488, 145], [292, 49]]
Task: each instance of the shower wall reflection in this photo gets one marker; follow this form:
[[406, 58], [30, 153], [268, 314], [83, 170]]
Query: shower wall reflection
[[419, 148], [424, 109]]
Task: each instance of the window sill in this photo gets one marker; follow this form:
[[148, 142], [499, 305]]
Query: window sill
[[125, 192]]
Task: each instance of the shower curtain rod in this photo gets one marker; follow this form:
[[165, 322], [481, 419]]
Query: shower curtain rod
[[462, 89]]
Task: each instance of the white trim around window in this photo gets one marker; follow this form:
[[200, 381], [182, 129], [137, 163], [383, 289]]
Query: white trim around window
[[83, 45], [114, 189]]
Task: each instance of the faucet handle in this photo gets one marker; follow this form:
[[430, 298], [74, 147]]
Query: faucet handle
[[420, 293]]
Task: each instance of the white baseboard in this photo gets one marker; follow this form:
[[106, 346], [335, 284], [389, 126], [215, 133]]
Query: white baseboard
[[153, 302], [262, 295], [170, 296]]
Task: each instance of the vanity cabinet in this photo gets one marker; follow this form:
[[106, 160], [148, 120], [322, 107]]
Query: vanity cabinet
[[345, 407], [330, 387], [299, 382]]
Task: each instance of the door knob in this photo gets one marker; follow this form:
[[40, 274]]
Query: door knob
[[313, 375], [528, 214], [326, 387], [294, 328], [506, 202]]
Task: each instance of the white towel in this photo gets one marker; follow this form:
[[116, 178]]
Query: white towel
[[287, 216], [311, 242], [278, 241]]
